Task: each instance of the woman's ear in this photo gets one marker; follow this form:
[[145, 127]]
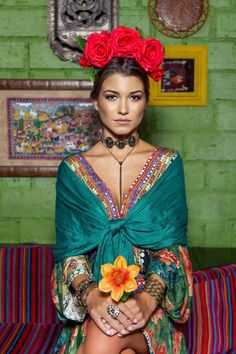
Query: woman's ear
[[95, 103]]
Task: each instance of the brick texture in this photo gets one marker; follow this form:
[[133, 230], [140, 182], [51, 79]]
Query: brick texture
[[205, 136]]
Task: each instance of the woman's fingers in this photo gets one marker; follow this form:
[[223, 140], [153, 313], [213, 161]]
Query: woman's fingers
[[131, 312], [124, 321], [115, 323], [102, 324], [106, 324], [128, 320]]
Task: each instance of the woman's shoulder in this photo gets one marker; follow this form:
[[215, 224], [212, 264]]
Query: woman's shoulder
[[69, 158], [160, 150]]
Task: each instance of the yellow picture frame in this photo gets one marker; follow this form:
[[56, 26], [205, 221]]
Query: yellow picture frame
[[198, 94]]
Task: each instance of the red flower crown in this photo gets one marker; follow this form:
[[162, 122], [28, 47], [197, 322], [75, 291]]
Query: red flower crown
[[125, 42]]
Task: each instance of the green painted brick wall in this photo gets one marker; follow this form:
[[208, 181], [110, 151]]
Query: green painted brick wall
[[205, 136]]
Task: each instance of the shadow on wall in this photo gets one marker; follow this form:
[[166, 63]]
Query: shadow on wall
[[203, 257]]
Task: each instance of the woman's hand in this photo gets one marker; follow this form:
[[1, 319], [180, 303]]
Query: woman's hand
[[98, 302], [134, 313], [142, 306]]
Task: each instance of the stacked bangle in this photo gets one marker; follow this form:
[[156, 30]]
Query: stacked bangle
[[82, 291], [154, 288]]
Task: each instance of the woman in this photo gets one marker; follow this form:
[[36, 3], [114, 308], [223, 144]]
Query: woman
[[122, 197]]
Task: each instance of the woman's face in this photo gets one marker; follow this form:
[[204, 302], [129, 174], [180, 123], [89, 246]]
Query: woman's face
[[121, 102]]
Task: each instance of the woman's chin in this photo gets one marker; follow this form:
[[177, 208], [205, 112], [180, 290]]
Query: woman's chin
[[121, 131]]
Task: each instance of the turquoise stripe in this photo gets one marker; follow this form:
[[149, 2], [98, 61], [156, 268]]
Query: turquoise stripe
[[17, 338], [2, 325], [230, 311], [19, 302], [49, 338], [213, 296], [43, 283], [35, 331], [7, 283], [28, 307]]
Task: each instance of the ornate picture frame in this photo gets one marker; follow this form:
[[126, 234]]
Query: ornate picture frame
[[185, 78], [68, 19], [38, 116]]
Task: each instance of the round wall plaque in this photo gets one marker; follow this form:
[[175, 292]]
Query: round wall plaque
[[179, 18]]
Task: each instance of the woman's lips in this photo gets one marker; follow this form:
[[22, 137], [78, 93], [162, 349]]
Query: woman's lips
[[122, 121]]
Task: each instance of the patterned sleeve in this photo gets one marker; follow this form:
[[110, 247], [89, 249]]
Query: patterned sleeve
[[62, 293], [173, 265]]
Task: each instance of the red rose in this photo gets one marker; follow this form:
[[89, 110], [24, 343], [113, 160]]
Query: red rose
[[157, 74], [98, 51], [150, 54], [124, 41], [84, 62]]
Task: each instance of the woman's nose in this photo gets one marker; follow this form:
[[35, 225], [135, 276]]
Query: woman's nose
[[123, 107]]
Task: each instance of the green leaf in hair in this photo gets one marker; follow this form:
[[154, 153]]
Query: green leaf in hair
[[141, 33], [81, 43], [92, 73]]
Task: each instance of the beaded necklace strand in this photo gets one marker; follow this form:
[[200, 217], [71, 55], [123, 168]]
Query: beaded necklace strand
[[120, 171]]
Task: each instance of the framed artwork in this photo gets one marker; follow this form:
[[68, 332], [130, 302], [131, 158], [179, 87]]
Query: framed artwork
[[42, 122], [185, 78]]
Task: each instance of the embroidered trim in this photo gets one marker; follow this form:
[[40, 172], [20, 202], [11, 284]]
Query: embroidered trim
[[151, 172], [86, 173], [153, 169]]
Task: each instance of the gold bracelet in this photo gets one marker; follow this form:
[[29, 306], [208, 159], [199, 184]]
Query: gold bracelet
[[154, 288], [82, 291]]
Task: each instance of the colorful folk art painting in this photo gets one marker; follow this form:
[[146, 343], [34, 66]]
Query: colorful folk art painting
[[178, 75], [50, 128]]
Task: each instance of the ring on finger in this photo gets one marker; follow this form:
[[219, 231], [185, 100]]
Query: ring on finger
[[113, 311]]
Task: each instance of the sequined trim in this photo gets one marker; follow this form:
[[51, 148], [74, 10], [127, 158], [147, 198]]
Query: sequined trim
[[86, 173], [148, 341], [155, 166], [153, 169]]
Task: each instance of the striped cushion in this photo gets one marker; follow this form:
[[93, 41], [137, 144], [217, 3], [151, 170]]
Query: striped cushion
[[211, 328], [25, 293], [29, 324], [28, 338]]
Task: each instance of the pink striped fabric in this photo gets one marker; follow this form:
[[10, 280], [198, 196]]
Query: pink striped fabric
[[211, 328]]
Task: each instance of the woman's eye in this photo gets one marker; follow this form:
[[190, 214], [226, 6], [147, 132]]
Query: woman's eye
[[110, 97], [136, 97]]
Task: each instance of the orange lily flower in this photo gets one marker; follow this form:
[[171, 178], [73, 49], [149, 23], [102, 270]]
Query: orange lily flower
[[118, 278]]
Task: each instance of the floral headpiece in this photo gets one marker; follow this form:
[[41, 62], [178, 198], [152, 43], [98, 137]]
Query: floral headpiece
[[100, 48]]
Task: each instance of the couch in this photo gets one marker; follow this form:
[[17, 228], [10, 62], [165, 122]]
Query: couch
[[29, 324]]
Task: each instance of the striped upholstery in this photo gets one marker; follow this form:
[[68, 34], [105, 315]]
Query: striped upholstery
[[28, 338], [211, 328], [29, 324], [28, 319]]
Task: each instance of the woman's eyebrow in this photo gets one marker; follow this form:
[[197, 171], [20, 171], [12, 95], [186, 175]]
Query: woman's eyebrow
[[137, 91], [111, 91], [131, 93]]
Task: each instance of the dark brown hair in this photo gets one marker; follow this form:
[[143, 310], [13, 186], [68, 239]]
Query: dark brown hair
[[123, 66]]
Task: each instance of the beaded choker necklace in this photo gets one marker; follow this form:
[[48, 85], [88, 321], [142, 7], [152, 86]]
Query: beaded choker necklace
[[132, 141], [120, 143]]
